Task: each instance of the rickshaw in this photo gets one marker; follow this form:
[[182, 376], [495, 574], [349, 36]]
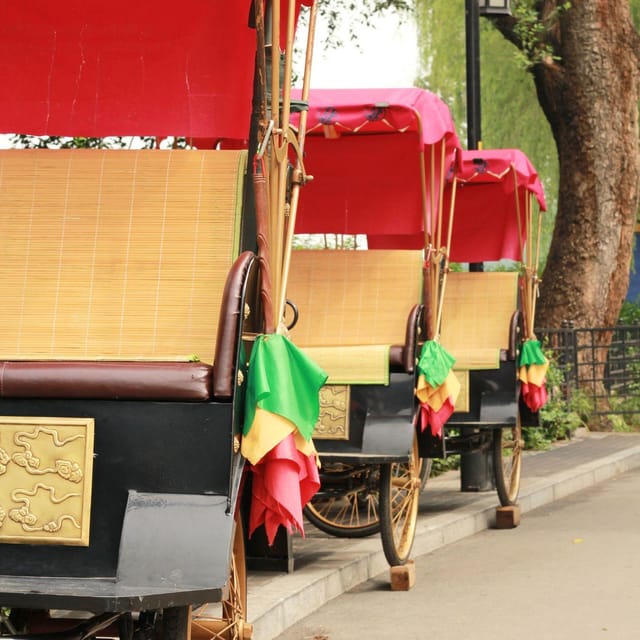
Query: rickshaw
[[494, 201], [138, 289], [379, 160]]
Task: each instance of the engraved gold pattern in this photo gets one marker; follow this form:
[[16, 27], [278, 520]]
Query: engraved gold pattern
[[46, 469], [333, 421], [462, 403]]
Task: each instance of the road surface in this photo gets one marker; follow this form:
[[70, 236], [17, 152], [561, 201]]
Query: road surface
[[570, 571]]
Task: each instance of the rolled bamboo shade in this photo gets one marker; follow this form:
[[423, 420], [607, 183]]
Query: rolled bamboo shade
[[116, 254], [349, 297]]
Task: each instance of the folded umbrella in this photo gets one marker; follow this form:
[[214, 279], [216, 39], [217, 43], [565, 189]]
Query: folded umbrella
[[532, 374], [281, 409], [437, 387]]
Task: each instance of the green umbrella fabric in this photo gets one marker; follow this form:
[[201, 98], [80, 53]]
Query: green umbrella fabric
[[284, 381], [435, 363], [531, 353]]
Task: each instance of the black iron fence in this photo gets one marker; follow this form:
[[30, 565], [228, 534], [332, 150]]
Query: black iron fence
[[601, 363]]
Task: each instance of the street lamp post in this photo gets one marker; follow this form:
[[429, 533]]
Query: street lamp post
[[476, 469], [473, 10], [472, 35]]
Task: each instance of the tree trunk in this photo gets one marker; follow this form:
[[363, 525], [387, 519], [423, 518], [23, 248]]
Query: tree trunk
[[590, 97]]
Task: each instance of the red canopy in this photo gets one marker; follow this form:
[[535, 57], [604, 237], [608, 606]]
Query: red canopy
[[363, 149], [127, 67], [486, 211]]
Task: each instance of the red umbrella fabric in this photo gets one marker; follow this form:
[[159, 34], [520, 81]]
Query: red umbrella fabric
[[485, 220], [150, 67], [485, 223], [363, 149]]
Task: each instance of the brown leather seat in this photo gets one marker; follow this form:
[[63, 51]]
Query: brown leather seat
[[186, 381]]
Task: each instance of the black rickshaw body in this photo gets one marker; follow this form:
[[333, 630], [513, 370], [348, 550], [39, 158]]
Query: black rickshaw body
[[160, 469], [493, 203], [378, 158]]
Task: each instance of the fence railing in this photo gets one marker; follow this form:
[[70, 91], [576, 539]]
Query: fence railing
[[604, 363]]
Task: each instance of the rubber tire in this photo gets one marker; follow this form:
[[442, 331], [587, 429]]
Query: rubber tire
[[399, 502], [507, 476], [425, 471]]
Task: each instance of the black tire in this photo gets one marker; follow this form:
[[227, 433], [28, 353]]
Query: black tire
[[347, 505], [425, 471], [399, 494], [507, 447]]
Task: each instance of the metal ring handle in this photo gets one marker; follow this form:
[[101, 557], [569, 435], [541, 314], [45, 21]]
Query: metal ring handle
[[296, 314]]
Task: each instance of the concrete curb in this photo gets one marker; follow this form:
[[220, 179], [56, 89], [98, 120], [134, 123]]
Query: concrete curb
[[327, 567]]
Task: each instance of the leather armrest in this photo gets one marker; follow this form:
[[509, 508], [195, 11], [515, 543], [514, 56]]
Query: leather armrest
[[230, 327]]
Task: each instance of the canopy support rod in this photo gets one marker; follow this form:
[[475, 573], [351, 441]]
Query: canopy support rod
[[299, 174]]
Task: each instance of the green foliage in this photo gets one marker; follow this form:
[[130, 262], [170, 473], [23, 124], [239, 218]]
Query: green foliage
[[635, 12], [566, 410], [328, 241], [537, 439], [533, 33], [346, 17], [22, 141], [511, 114], [630, 313], [442, 465], [629, 403]]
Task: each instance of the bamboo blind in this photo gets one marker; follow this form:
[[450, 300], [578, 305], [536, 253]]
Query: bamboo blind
[[349, 297], [362, 364], [476, 316], [114, 254]]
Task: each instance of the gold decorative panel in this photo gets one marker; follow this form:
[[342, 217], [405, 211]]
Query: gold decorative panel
[[462, 403], [333, 421], [46, 467]]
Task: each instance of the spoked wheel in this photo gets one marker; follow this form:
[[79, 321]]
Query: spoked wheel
[[399, 493], [507, 462], [231, 624], [347, 504]]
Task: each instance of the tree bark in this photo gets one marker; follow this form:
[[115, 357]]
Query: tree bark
[[590, 97]]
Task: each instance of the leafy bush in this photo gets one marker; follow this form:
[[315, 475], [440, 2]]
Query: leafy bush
[[566, 410], [630, 313]]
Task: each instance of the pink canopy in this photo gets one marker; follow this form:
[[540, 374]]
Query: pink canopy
[[127, 67], [486, 212], [363, 148]]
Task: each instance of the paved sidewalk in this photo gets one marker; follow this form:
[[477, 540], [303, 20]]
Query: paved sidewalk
[[326, 566]]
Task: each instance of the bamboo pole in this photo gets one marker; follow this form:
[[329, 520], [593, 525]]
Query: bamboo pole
[[526, 274], [281, 155], [440, 205], [273, 165], [299, 174], [536, 267], [452, 208], [518, 213]]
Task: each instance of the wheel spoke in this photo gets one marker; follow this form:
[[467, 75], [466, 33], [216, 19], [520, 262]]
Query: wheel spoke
[[347, 504], [400, 486]]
